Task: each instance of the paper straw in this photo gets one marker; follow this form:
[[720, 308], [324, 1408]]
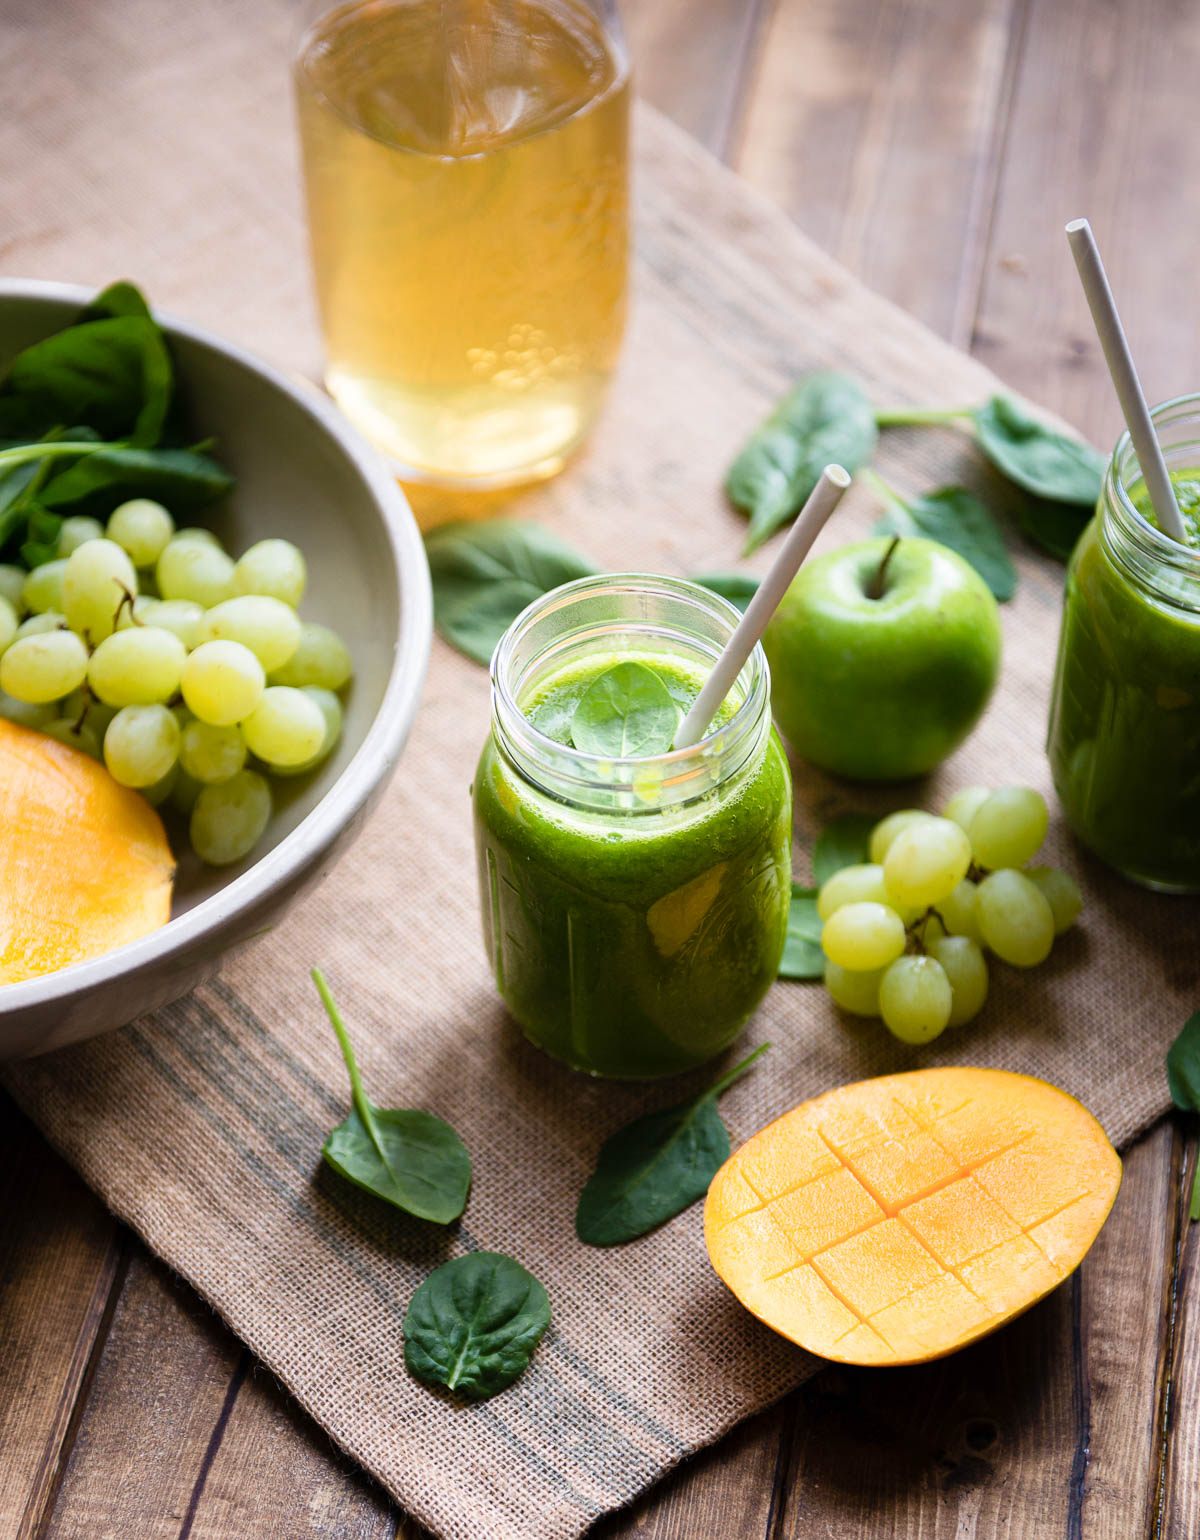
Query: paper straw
[[810, 521], [1125, 378]]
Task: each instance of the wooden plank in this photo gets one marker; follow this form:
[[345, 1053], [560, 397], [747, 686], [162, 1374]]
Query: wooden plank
[[693, 60], [1099, 127], [879, 128], [60, 1252], [1048, 1427], [1181, 1454]]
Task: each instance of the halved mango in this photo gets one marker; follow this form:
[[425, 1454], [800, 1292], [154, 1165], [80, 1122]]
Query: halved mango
[[84, 863], [895, 1220]]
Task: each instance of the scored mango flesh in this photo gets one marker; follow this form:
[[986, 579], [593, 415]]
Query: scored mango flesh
[[84, 862], [897, 1219]]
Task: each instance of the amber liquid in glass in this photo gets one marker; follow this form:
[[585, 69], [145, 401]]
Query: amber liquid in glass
[[466, 174]]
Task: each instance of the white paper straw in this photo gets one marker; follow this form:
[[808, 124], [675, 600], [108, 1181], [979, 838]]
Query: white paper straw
[[810, 521], [1125, 378]]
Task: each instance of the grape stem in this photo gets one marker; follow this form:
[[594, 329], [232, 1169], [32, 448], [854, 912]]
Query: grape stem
[[875, 586]]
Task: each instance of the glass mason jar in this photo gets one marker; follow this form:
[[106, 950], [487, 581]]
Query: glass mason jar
[[466, 170], [634, 911], [1124, 739]]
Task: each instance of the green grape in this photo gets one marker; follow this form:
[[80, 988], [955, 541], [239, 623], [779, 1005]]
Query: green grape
[[857, 993], [43, 668], [137, 667], [863, 936], [1060, 891], [321, 659], [222, 682], [930, 928], [39, 625], [82, 705], [964, 804], [966, 968], [285, 728], [75, 734], [926, 861], [183, 616], [140, 613], [851, 885], [211, 754], [98, 578], [331, 710], [77, 531], [26, 713], [273, 568], [8, 623], [141, 745], [1009, 828], [44, 587], [194, 532], [184, 792], [268, 627], [12, 586], [888, 828], [142, 528], [157, 794], [960, 913], [228, 819], [915, 999], [196, 569], [1014, 918]]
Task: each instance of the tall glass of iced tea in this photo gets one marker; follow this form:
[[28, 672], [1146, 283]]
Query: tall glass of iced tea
[[466, 165]]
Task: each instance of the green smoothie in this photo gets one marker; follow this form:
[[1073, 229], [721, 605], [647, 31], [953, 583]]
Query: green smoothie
[[1124, 740], [633, 939]]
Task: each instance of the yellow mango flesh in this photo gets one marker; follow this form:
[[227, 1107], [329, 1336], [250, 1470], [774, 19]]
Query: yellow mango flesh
[[896, 1220], [84, 863]]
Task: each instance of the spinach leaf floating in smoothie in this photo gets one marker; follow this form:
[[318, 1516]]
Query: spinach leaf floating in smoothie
[[954, 517], [845, 841], [406, 1157], [826, 418], [485, 574], [625, 713], [738, 587], [802, 955], [474, 1323], [1183, 1080], [656, 1166]]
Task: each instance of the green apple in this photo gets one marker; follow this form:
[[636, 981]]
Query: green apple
[[879, 670]]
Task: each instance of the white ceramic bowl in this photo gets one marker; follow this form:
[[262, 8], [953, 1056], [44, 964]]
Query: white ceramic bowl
[[304, 473]]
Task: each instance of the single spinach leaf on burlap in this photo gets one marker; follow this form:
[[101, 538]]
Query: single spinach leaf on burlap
[[826, 418], [738, 587], [406, 1157], [843, 842], [1054, 526], [954, 517], [1046, 463], [474, 1323], [802, 955], [484, 575], [181, 479], [1183, 1082], [625, 713], [656, 1166]]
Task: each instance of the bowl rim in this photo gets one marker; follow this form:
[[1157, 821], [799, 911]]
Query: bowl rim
[[380, 748]]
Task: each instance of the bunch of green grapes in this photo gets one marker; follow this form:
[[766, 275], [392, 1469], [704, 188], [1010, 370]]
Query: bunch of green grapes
[[189, 673], [904, 935]]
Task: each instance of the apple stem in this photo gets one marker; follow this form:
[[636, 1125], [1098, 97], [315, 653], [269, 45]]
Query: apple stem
[[875, 586]]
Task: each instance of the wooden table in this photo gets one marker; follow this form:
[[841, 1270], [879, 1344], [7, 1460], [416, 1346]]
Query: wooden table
[[937, 148]]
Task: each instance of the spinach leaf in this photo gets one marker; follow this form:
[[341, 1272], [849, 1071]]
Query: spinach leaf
[[1183, 1081], [474, 1323], [484, 575], [1044, 462], [826, 418], [408, 1158], [655, 1167], [1054, 526], [625, 713], [844, 842], [802, 954], [113, 374], [738, 587], [953, 517], [181, 479], [120, 298]]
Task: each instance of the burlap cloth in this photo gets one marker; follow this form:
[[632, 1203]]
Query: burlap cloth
[[202, 1126]]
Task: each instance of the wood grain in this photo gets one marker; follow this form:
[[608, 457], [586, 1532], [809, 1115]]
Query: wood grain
[[1180, 1488]]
